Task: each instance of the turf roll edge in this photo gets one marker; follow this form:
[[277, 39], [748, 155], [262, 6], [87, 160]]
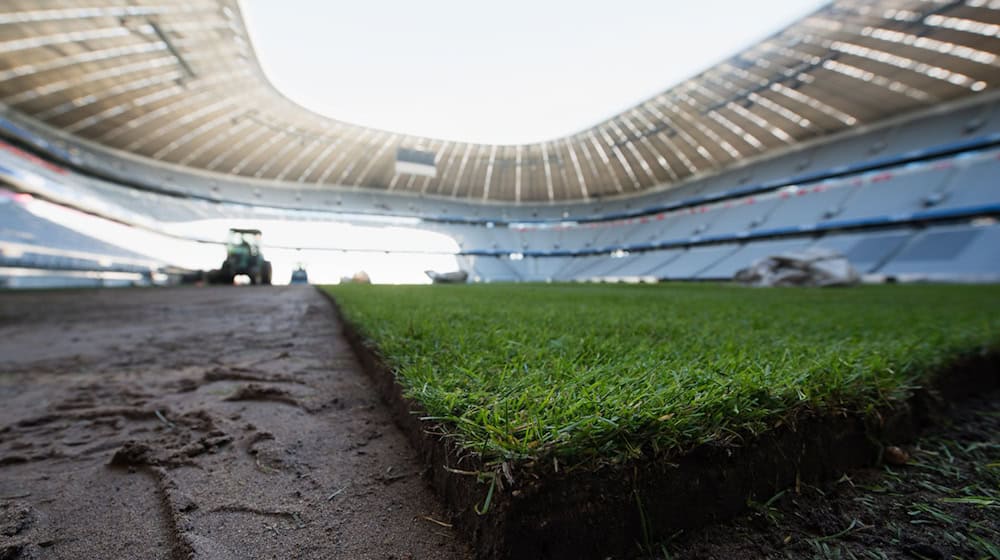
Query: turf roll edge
[[620, 502]]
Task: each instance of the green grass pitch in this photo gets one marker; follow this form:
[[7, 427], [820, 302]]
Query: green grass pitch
[[607, 372]]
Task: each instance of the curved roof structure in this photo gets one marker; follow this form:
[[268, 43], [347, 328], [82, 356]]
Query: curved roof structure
[[178, 81]]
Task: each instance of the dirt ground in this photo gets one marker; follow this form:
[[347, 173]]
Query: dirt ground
[[222, 423]]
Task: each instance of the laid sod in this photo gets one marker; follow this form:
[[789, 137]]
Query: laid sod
[[584, 373]]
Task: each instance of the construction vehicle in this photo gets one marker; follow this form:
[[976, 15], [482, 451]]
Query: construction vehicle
[[243, 256], [299, 275]]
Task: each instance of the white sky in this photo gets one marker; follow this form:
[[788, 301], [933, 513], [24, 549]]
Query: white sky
[[508, 72]]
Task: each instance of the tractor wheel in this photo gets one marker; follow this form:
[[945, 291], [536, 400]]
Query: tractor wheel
[[265, 275], [222, 276]]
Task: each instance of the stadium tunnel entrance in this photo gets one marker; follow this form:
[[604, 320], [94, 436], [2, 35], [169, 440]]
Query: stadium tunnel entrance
[[387, 253], [330, 251]]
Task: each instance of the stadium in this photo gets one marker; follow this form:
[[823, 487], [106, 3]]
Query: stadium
[[754, 315]]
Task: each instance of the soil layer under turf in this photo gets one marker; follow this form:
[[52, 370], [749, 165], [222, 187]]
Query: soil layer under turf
[[944, 502], [563, 420]]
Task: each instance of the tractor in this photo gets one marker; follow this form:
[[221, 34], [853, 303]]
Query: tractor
[[243, 256]]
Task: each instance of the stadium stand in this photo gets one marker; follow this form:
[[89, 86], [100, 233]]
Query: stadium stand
[[900, 175], [36, 252], [866, 251], [952, 253], [695, 260], [750, 252], [901, 190]]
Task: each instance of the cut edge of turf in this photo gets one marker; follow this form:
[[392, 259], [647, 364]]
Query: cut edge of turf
[[533, 509]]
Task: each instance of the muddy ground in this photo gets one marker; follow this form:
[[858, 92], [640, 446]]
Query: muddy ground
[[222, 423]]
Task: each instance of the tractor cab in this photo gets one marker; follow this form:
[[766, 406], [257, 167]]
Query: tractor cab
[[243, 256]]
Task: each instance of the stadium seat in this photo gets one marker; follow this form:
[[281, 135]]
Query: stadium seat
[[750, 252], [897, 193], [865, 251], [693, 261], [949, 253], [808, 205], [976, 183]]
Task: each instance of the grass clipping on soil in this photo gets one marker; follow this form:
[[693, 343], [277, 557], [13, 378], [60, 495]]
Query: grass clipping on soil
[[580, 372]]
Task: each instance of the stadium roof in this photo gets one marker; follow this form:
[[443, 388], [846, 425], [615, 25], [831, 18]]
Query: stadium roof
[[178, 81]]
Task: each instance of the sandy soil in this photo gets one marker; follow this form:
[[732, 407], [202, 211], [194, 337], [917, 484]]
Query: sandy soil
[[207, 423]]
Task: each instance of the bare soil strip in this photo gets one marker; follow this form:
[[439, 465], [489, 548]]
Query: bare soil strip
[[548, 510], [200, 423]]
